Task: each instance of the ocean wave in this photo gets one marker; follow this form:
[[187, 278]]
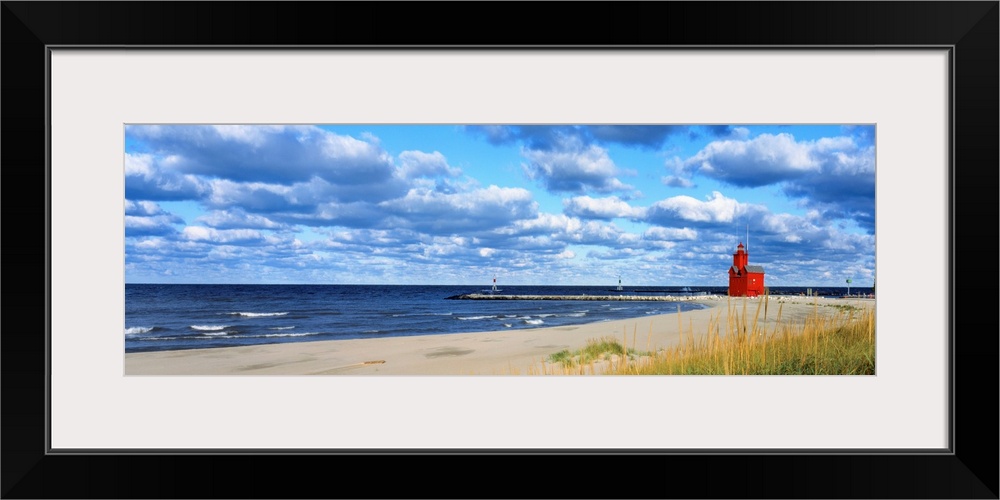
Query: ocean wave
[[465, 318], [218, 334], [270, 335], [209, 328], [403, 315], [533, 322], [135, 330], [256, 315], [508, 325], [281, 328], [576, 315]]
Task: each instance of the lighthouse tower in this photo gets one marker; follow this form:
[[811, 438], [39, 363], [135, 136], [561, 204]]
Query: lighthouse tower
[[745, 280]]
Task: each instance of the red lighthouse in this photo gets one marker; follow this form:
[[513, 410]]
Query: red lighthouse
[[745, 280]]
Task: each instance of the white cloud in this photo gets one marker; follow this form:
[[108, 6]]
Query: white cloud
[[224, 219], [139, 164], [740, 132], [670, 234], [253, 135], [566, 254], [148, 226], [574, 167], [142, 208], [419, 164], [765, 159], [476, 210], [717, 208], [226, 236], [601, 208]]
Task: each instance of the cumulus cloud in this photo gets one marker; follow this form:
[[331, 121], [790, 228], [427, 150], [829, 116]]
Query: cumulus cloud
[[159, 225], [269, 154], [648, 136], [670, 234], [832, 174], [601, 208], [480, 209], [145, 218], [150, 178], [846, 190], [238, 219], [143, 209], [679, 210], [562, 228], [616, 254], [357, 215], [419, 164], [764, 160], [574, 167], [227, 236]]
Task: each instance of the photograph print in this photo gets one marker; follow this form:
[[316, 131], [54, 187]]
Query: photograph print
[[499, 249]]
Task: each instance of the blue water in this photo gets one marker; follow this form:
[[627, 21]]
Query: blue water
[[169, 317]]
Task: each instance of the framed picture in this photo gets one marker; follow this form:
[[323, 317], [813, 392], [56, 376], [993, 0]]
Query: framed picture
[[117, 78]]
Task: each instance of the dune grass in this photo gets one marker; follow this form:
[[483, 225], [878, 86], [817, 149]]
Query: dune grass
[[837, 343], [595, 350]]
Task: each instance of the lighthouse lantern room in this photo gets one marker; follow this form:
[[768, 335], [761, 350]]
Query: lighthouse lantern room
[[745, 280]]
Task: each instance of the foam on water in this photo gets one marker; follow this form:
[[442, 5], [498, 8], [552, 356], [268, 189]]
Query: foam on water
[[217, 334], [135, 330], [270, 335], [257, 315], [209, 328]]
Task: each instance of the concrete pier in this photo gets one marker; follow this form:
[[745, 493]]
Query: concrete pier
[[622, 298]]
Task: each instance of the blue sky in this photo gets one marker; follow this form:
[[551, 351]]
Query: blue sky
[[536, 204]]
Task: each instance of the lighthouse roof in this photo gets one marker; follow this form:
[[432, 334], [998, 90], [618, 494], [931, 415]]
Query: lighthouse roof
[[755, 269]]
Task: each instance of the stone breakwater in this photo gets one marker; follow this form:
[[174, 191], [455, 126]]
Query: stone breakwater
[[622, 298]]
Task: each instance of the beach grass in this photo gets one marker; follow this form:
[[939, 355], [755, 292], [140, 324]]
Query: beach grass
[[742, 342], [596, 350]]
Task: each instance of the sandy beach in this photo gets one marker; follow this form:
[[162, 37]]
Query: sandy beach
[[509, 352]]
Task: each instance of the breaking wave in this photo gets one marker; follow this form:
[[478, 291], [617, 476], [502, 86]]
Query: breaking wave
[[256, 315], [465, 318], [209, 328]]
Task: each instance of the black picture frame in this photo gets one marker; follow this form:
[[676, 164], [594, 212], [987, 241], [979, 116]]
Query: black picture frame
[[969, 29]]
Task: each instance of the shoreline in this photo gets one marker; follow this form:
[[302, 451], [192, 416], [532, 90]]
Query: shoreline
[[506, 352]]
